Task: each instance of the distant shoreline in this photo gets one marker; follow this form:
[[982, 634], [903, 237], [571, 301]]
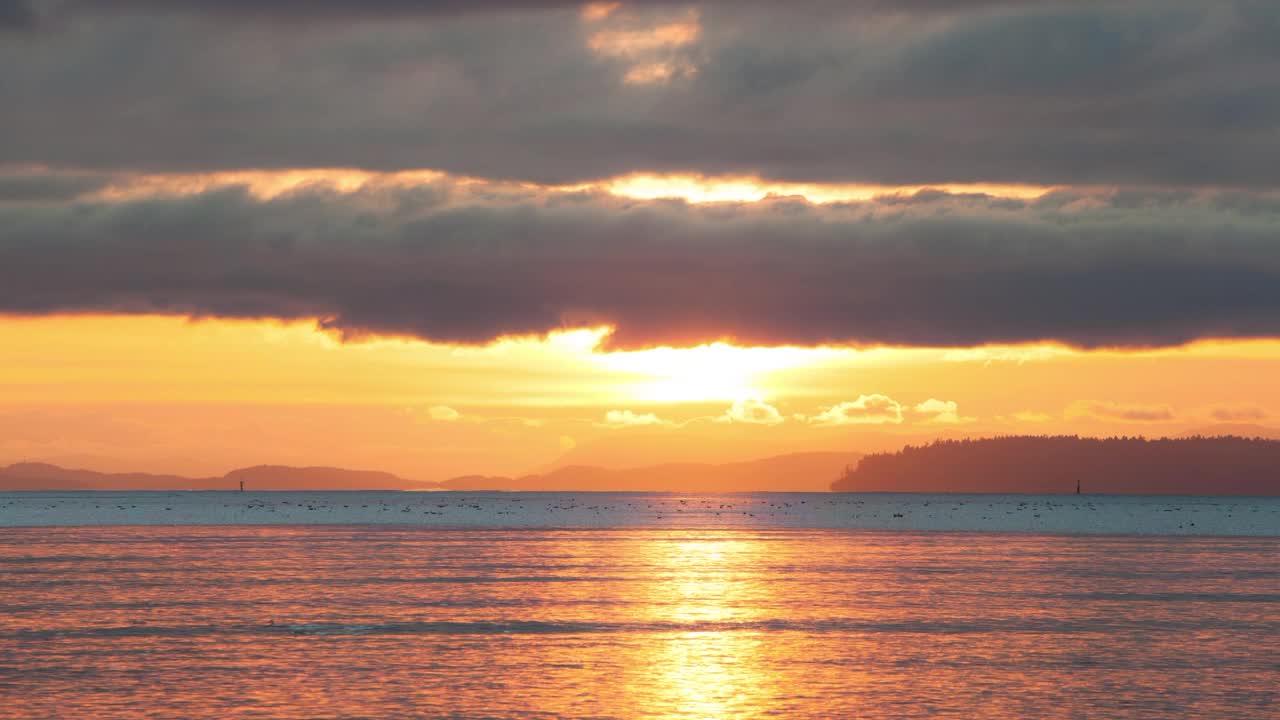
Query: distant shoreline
[[1064, 465], [1031, 465], [668, 493], [916, 512], [805, 471]]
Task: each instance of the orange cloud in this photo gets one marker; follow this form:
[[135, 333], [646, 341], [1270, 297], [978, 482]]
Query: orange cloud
[[634, 42], [1239, 414], [866, 410], [444, 413], [1124, 412], [596, 11], [752, 411], [939, 411], [657, 72], [1027, 416], [627, 418]]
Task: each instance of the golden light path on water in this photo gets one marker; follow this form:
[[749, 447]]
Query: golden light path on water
[[707, 674], [664, 623]]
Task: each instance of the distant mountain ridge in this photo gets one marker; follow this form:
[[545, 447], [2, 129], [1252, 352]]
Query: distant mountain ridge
[[43, 476], [1199, 464], [283, 477], [795, 472], [807, 472]]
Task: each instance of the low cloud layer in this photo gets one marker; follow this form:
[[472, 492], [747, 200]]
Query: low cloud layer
[[465, 263], [301, 10], [629, 418], [877, 409], [866, 410], [1239, 414], [1129, 412]]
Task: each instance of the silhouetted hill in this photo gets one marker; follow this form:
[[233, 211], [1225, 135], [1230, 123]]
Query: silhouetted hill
[[641, 447], [280, 477], [484, 482], [797, 471], [42, 476], [794, 472], [1021, 464]]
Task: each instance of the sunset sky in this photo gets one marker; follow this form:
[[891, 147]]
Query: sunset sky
[[485, 236]]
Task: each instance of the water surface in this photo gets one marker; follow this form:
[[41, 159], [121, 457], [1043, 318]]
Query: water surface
[[720, 622], [1109, 514]]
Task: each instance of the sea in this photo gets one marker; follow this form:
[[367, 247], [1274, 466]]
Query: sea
[[735, 615]]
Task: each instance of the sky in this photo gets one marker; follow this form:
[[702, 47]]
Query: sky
[[440, 237]]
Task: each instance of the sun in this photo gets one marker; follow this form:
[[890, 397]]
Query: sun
[[707, 373]]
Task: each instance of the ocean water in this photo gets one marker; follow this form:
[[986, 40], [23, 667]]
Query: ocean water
[[719, 621], [1106, 514]]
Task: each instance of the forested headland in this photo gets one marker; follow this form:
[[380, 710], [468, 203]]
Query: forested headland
[[1055, 464]]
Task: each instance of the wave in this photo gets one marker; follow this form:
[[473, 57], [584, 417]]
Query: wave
[[534, 627]]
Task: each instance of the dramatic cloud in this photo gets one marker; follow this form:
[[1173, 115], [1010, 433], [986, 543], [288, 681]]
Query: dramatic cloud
[[48, 187], [752, 411], [353, 9], [866, 410], [627, 418], [1145, 92], [469, 263], [25, 12]]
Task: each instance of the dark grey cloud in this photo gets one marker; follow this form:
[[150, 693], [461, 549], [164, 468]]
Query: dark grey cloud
[[320, 9], [16, 15], [1184, 92], [348, 9], [48, 187], [456, 263]]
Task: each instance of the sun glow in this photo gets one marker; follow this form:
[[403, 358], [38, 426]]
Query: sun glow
[[705, 582], [707, 189], [265, 185], [717, 372]]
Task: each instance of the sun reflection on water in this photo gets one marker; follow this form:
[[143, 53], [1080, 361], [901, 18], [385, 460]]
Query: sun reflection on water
[[704, 582], [661, 623]]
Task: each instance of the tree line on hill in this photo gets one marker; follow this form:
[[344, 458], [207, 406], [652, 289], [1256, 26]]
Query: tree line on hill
[[1055, 464]]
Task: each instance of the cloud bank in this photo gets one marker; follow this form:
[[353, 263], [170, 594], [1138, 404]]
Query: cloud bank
[[1243, 414], [1127, 412], [1154, 119], [460, 263], [1142, 92]]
